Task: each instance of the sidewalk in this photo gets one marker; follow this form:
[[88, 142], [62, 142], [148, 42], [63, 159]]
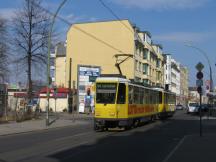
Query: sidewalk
[[194, 148], [40, 124]]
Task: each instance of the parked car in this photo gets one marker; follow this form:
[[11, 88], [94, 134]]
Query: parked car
[[204, 107], [179, 107], [192, 107]]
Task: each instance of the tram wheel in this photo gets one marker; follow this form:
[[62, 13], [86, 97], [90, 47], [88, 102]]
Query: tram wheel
[[136, 123]]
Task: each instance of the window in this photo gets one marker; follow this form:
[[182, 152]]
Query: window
[[141, 52], [105, 93], [137, 65], [145, 69], [160, 97], [140, 67], [158, 63], [131, 94], [121, 93], [151, 97], [146, 96], [136, 95], [141, 95], [148, 39], [145, 81], [145, 53]]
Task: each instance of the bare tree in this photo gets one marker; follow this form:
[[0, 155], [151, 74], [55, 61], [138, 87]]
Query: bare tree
[[3, 50], [31, 28]]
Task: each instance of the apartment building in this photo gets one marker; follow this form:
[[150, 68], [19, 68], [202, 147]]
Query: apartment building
[[96, 43], [172, 74], [184, 91]]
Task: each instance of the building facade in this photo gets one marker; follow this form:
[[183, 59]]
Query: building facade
[[172, 76], [96, 43], [175, 77], [60, 64], [184, 92]]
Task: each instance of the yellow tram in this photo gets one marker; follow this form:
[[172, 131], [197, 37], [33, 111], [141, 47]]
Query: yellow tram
[[122, 103]]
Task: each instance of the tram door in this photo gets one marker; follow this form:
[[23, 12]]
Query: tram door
[[3, 98]]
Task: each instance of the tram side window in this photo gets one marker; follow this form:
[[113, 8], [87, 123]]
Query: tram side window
[[136, 95], [160, 97], [141, 95], [165, 98], [151, 96], [156, 97], [147, 98], [121, 93], [131, 94]]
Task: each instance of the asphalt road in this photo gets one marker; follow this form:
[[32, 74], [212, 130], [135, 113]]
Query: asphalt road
[[152, 142]]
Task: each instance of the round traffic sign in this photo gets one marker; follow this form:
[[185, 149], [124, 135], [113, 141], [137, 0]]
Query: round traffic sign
[[199, 75]]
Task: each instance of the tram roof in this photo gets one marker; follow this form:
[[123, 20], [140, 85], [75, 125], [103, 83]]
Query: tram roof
[[112, 79]]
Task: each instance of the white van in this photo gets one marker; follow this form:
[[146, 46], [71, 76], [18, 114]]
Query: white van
[[192, 107]]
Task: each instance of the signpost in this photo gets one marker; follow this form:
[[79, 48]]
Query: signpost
[[55, 96], [199, 84]]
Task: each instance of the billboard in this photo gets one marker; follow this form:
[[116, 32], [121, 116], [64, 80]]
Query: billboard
[[86, 77]]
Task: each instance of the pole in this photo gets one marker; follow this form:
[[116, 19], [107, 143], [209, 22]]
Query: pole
[[55, 106], [69, 86], [200, 113], [207, 58], [48, 59], [6, 104]]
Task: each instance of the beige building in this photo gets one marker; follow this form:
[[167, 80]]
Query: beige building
[[60, 65], [96, 43], [184, 91]]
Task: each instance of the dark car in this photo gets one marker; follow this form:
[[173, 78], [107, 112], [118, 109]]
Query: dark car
[[204, 108]]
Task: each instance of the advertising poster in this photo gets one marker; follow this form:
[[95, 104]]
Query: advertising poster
[[86, 78]]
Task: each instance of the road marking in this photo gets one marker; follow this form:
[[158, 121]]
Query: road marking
[[174, 150]]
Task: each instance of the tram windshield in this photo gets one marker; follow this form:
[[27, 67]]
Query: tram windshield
[[106, 93]]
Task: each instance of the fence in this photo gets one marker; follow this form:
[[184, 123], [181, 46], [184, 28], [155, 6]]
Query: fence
[[14, 108]]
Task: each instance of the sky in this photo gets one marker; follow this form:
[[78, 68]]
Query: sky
[[172, 23]]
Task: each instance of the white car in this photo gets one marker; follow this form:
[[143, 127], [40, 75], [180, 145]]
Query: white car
[[192, 107], [179, 107]]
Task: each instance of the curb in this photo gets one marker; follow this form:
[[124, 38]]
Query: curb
[[38, 130]]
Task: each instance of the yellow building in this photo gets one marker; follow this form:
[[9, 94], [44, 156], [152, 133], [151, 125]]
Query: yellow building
[[96, 43], [184, 91], [60, 65]]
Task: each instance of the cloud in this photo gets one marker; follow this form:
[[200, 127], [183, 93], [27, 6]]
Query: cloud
[[162, 4], [76, 19], [7, 13], [185, 37]]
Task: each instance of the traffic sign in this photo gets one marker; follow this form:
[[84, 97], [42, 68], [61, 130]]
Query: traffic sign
[[199, 83], [199, 75], [199, 66]]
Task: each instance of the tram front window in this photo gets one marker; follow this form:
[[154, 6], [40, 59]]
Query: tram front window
[[106, 93]]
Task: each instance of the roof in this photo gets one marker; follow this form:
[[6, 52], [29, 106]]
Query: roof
[[113, 79], [60, 90]]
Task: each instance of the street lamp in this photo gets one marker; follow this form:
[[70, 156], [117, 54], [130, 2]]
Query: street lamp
[[210, 69], [48, 58]]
